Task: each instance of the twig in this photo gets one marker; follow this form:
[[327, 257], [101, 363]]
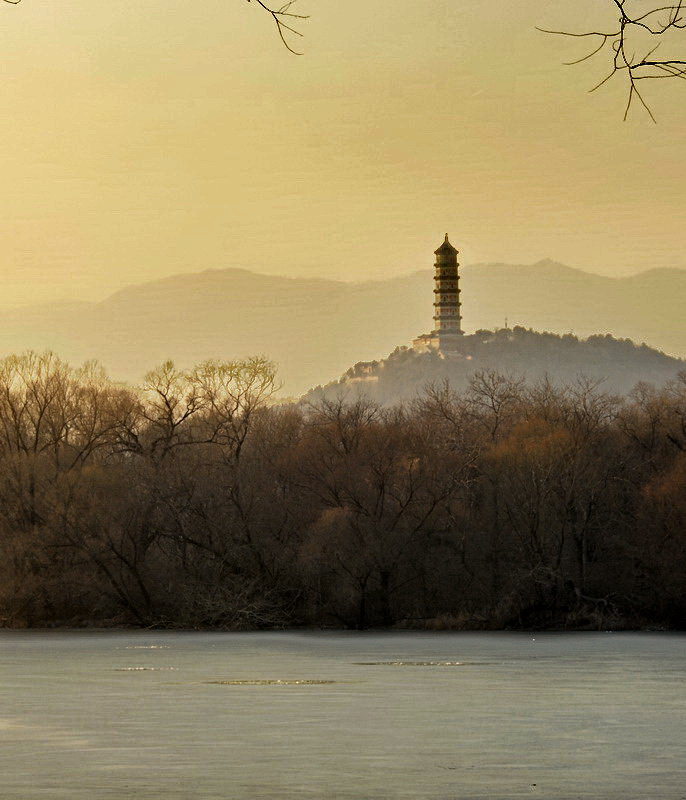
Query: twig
[[282, 19], [635, 68]]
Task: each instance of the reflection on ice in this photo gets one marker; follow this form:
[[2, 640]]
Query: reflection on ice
[[271, 683], [145, 669], [409, 663]]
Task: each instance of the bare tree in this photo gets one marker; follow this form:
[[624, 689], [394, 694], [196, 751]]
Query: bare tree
[[631, 44]]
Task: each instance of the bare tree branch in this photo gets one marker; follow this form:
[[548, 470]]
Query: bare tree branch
[[284, 19], [622, 43]]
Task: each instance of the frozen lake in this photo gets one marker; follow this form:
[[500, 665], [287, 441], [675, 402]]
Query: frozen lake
[[237, 716]]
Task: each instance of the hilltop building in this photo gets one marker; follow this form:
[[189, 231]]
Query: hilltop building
[[445, 337]]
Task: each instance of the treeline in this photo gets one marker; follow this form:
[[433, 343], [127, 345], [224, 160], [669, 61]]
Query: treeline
[[194, 500]]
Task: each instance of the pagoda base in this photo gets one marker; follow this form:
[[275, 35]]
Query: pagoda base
[[438, 342]]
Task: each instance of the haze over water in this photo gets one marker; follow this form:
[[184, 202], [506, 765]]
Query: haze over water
[[346, 716]]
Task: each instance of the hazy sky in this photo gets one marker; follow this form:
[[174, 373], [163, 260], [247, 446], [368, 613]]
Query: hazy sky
[[147, 138]]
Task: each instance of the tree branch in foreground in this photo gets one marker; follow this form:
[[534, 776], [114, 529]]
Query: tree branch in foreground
[[284, 19], [629, 54]]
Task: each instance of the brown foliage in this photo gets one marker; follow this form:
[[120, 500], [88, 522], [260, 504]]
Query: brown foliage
[[194, 501]]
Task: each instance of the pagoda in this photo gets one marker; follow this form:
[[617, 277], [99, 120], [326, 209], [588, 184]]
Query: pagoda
[[447, 331]]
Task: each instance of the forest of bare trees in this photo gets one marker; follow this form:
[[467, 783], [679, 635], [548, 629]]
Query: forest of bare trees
[[197, 501]]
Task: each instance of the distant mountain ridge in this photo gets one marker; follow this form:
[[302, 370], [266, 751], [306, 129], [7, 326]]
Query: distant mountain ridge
[[316, 328]]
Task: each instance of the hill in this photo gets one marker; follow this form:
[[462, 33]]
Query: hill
[[617, 364], [314, 329]]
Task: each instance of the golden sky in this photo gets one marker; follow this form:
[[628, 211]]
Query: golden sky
[[153, 137]]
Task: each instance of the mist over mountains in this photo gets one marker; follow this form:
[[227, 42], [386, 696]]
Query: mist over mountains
[[315, 329], [516, 355]]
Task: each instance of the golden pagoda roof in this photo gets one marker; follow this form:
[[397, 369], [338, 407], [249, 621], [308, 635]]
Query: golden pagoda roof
[[446, 247]]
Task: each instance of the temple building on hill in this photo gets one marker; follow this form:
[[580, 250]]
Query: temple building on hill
[[445, 337]]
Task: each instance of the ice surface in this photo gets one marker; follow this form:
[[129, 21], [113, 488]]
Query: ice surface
[[289, 716]]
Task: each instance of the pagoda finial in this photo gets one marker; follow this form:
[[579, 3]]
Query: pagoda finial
[[446, 237]]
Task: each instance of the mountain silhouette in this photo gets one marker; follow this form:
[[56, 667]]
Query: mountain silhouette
[[316, 328]]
